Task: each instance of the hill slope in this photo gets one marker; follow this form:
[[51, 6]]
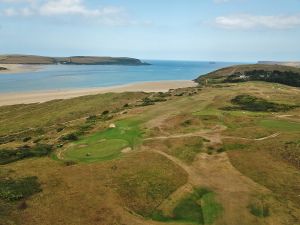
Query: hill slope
[[75, 60], [258, 72], [205, 156]]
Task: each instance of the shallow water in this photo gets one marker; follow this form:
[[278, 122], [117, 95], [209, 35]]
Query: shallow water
[[54, 77]]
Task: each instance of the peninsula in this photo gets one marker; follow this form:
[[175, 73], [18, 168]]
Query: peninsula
[[72, 60]]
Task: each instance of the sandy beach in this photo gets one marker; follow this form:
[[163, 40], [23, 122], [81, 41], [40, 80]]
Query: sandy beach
[[39, 97], [19, 68]]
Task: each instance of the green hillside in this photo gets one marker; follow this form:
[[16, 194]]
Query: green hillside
[[258, 72]]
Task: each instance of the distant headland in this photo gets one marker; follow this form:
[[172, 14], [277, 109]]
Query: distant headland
[[286, 63], [72, 60]]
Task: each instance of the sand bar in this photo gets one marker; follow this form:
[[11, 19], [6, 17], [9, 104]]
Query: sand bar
[[19, 68], [44, 96]]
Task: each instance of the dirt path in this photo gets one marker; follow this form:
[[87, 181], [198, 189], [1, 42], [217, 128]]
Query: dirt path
[[208, 134], [215, 172], [251, 139]]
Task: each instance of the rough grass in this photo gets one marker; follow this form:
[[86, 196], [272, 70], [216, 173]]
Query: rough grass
[[21, 117], [280, 125], [184, 149], [144, 186], [279, 177], [105, 145]]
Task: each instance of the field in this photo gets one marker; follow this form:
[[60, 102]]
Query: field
[[217, 154]]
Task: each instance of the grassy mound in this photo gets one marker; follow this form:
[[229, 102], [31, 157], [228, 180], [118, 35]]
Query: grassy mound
[[105, 145], [11, 190], [199, 207], [254, 104]]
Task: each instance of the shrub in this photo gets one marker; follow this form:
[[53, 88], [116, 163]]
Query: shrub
[[12, 190], [147, 101], [59, 129], [282, 77], [70, 137], [105, 112], [91, 118], [69, 163], [26, 139], [8, 156], [251, 103], [259, 210]]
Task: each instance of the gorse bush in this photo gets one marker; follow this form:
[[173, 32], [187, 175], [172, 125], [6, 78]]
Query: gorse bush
[[70, 137], [282, 77], [8, 155], [12, 190], [259, 210], [252, 103]]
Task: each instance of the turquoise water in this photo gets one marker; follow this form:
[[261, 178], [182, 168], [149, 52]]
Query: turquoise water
[[54, 77]]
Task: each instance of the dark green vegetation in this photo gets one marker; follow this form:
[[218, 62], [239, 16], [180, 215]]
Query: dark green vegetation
[[2, 68], [269, 73], [254, 104], [286, 77], [106, 145], [12, 190], [259, 209], [198, 207], [74, 60], [12, 155]]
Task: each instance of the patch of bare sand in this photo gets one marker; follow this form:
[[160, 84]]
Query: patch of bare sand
[[19, 68]]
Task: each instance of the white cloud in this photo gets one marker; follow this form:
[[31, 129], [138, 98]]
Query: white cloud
[[248, 21], [108, 15], [64, 7], [10, 12]]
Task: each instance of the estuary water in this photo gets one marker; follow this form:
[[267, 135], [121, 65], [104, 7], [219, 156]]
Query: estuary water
[[60, 77]]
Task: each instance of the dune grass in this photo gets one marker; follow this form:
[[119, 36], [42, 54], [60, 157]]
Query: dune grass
[[145, 179], [106, 145]]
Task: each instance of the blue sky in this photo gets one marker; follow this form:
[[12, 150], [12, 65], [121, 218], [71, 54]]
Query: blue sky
[[227, 30]]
